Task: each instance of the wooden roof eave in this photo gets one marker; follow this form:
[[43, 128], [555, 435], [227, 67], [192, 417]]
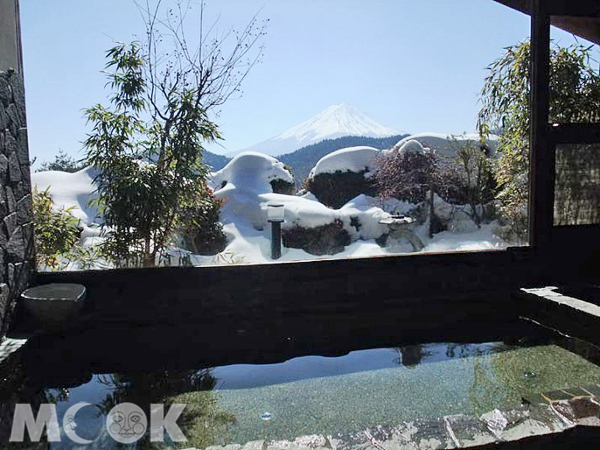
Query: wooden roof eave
[[580, 17]]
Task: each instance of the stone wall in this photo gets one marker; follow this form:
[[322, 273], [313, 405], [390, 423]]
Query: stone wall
[[16, 211]]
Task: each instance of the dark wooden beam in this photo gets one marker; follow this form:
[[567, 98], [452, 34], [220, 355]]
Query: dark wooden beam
[[574, 8], [541, 171], [519, 5], [585, 27], [580, 17]]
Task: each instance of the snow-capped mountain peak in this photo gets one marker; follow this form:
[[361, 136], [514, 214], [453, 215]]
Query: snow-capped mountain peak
[[339, 120], [334, 122]]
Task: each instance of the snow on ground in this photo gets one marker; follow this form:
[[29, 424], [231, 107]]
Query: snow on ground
[[351, 159], [479, 239], [244, 186], [447, 144]]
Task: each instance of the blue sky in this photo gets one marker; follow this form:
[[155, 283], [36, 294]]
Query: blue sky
[[414, 66]]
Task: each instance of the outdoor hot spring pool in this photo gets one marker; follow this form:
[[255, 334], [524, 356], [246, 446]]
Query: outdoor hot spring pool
[[307, 395]]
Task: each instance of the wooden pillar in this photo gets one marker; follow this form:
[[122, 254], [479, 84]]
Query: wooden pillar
[[541, 170], [10, 36]]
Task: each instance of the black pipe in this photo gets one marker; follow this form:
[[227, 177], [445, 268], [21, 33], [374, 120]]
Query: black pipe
[[275, 240]]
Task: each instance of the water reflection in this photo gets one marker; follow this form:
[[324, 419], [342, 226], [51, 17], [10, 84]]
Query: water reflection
[[316, 394], [15, 387], [411, 355], [202, 421]]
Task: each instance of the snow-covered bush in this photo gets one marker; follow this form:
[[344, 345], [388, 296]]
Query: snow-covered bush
[[342, 175], [322, 240], [336, 189], [280, 186], [319, 230], [76, 191]]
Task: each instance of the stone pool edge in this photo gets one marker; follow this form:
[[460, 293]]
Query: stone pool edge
[[542, 423]]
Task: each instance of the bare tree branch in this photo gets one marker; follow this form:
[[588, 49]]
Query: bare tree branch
[[214, 70]]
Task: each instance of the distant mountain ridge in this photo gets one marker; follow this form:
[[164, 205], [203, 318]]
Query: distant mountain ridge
[[337, 121], [216, 162]]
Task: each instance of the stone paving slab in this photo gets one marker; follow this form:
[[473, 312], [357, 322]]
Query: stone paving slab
[[468, 431], [8, 346], [577, 392], [422, 435], [549, 293], [593, 390]]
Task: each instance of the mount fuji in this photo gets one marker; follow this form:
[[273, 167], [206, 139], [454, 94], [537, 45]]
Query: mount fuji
[[334, 122]]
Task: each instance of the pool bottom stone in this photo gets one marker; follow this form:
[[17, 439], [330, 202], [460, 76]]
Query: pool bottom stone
[[488, 396], [358, 401], [537, 423]]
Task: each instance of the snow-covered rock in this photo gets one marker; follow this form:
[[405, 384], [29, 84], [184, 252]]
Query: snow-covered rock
[[244, 187], [351, 159], [251, 172], [361, 217], [443, 210], [410, 145], [462, 222], [71, 190], [456, 218]]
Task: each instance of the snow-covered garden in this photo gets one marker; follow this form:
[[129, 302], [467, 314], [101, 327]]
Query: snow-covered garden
[[146, 199], [311, 229]]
